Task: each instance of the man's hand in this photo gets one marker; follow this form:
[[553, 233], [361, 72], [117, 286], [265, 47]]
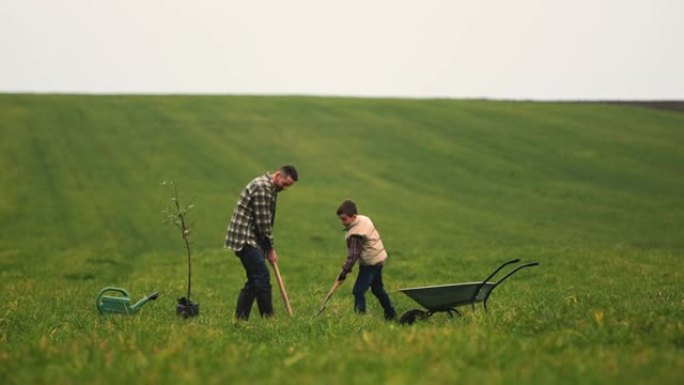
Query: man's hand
[[272, 256], [341, 277]]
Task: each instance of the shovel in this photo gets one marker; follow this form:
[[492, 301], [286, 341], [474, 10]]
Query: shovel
[[283, 293], [327, 297]]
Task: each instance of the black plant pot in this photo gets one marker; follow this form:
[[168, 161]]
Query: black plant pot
[[187, 308]]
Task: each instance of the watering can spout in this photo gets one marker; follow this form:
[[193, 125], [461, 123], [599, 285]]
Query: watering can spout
[[145, 300]]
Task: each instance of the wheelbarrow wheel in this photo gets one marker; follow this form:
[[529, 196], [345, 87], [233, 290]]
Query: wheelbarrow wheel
[[411, 316]]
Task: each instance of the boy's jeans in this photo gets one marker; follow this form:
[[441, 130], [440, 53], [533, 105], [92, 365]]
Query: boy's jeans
[[371, 276], [258, 285]]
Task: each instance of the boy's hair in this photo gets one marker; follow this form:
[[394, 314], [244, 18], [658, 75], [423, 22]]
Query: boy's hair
[[348, 208], [289, 170]]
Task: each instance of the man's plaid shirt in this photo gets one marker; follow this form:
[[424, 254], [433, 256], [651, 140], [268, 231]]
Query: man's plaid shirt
[[252, 221]]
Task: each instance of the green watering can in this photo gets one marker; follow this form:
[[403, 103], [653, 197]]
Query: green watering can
[[120, 304]]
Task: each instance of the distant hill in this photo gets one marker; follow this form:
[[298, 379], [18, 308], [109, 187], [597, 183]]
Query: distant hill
[[84, 171]]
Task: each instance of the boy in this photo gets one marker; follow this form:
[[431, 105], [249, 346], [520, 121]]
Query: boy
[[364, 244]]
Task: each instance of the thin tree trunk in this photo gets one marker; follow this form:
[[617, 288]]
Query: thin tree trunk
[[185, 238]]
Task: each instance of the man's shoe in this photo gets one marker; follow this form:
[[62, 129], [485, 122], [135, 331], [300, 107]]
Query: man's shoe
[[244, 305], [265, 304]]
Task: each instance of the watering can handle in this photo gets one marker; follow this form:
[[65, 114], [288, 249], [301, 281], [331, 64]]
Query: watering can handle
[[106, 289]]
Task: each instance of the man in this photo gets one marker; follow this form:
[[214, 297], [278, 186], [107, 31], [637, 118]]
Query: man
[[250, 236], [364, 244]]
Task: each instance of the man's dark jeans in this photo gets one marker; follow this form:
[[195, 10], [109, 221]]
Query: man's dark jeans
[[371, 276], [258, 285]]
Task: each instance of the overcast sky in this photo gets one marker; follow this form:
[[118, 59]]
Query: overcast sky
[[517, 49]]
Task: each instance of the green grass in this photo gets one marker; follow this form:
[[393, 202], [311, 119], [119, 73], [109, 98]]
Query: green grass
[[593, 192]]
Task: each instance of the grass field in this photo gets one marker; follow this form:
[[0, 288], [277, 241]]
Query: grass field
[[593, 192]]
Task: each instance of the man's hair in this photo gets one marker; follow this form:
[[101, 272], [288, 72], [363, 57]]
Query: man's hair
[[348, 208], [290, 171]]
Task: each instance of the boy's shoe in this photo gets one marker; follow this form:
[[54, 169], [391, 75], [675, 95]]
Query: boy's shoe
[[390, 315]]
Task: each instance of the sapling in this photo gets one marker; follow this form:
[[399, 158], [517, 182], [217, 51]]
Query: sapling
[[177, 215]]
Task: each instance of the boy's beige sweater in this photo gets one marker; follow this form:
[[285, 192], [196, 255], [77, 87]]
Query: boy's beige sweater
[[373, 251]]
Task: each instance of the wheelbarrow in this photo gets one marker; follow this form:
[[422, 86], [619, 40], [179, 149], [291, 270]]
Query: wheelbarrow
[[446, 298]]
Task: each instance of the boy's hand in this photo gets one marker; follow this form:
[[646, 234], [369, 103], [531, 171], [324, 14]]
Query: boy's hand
[[341, 277], [272, 256]]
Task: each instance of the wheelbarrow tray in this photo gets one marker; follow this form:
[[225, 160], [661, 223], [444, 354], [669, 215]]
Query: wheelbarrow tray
[[444, 297]]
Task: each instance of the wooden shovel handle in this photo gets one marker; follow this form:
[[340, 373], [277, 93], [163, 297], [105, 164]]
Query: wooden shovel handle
[[334, 287], [281, 285]]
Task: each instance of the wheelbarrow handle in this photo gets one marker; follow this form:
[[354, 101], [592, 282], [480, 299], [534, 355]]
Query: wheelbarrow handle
[[530, 264], [484, 282], [501, 267]]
